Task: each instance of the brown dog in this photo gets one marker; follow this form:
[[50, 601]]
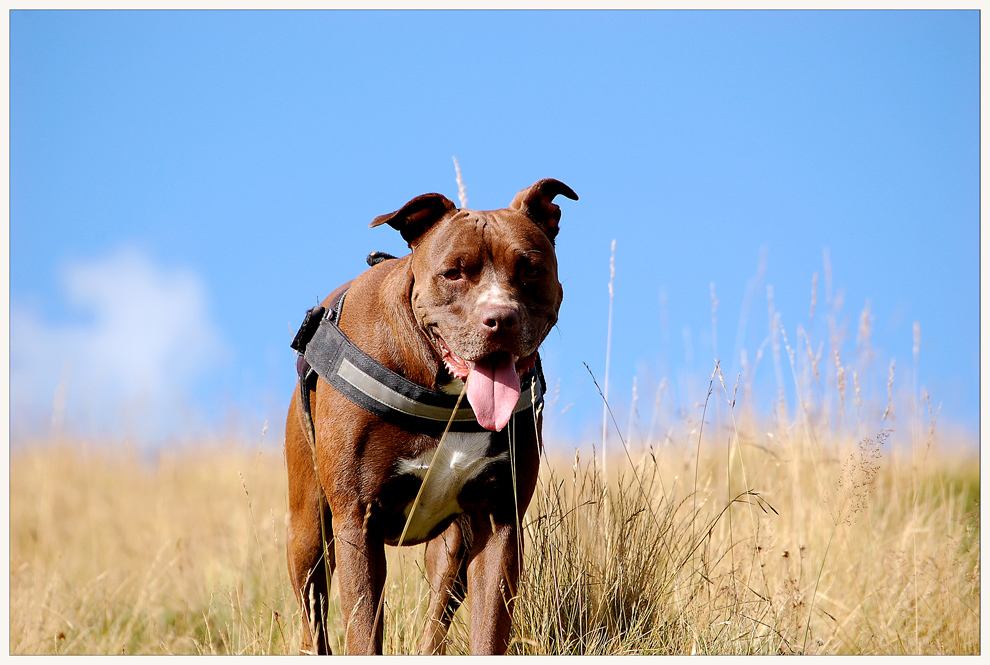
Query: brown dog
[[471, 303]]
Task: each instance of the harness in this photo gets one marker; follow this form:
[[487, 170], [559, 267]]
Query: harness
[[325, 351]]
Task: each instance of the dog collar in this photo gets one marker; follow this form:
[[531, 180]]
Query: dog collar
[[324, 349]]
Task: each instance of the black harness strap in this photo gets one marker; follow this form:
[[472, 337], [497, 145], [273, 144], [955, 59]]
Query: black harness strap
[[307, 375], [325, 351]]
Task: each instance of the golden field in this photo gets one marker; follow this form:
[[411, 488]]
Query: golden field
[[788, 545]]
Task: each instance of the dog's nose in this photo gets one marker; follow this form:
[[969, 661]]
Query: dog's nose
[[499, 319]]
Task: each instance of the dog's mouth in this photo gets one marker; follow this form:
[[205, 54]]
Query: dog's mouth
[[492, 382]]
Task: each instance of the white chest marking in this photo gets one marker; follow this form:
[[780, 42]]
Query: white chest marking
[[461, 459]]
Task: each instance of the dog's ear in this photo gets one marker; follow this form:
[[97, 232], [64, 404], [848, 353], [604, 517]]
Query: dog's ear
[[416, 217], [537, 203]]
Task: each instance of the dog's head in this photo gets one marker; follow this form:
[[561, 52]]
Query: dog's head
[[485, 289]]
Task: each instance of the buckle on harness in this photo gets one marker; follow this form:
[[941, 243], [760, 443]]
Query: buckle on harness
[[308, 328]]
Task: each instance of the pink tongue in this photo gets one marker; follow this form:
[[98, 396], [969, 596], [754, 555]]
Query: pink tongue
[[493, 390]]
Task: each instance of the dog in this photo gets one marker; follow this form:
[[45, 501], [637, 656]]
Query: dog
[[418, 420]]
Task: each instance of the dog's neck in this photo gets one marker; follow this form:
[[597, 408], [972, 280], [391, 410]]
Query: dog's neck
[[407, 348]]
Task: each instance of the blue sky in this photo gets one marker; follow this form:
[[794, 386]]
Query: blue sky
[[184, 185]]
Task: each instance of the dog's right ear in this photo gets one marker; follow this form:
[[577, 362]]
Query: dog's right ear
[[416, 217], [536, 202]]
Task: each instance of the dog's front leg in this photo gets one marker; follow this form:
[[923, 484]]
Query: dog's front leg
[[493, 572], [446, 571], [361, 577]]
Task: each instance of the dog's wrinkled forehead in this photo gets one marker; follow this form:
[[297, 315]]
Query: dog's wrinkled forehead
[[486, 235]]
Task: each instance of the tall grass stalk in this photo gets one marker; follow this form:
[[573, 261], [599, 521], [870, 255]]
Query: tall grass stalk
[[608, 363]]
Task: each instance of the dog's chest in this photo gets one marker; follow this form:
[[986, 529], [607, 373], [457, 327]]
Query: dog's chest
[[462, 458]]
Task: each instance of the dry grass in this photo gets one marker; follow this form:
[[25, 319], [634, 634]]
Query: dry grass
[[853, 556], [113, 554], [776, 549]]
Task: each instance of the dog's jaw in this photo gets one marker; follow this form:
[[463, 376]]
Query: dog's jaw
[[493, 386]]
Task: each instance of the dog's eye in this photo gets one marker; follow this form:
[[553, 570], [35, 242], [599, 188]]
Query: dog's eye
[[452, 275], [531, 273]]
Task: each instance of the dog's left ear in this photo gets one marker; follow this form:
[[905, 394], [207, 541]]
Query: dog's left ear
[[537, 203], [416, 217]]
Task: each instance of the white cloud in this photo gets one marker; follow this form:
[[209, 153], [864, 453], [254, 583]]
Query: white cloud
[[119, 353]]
